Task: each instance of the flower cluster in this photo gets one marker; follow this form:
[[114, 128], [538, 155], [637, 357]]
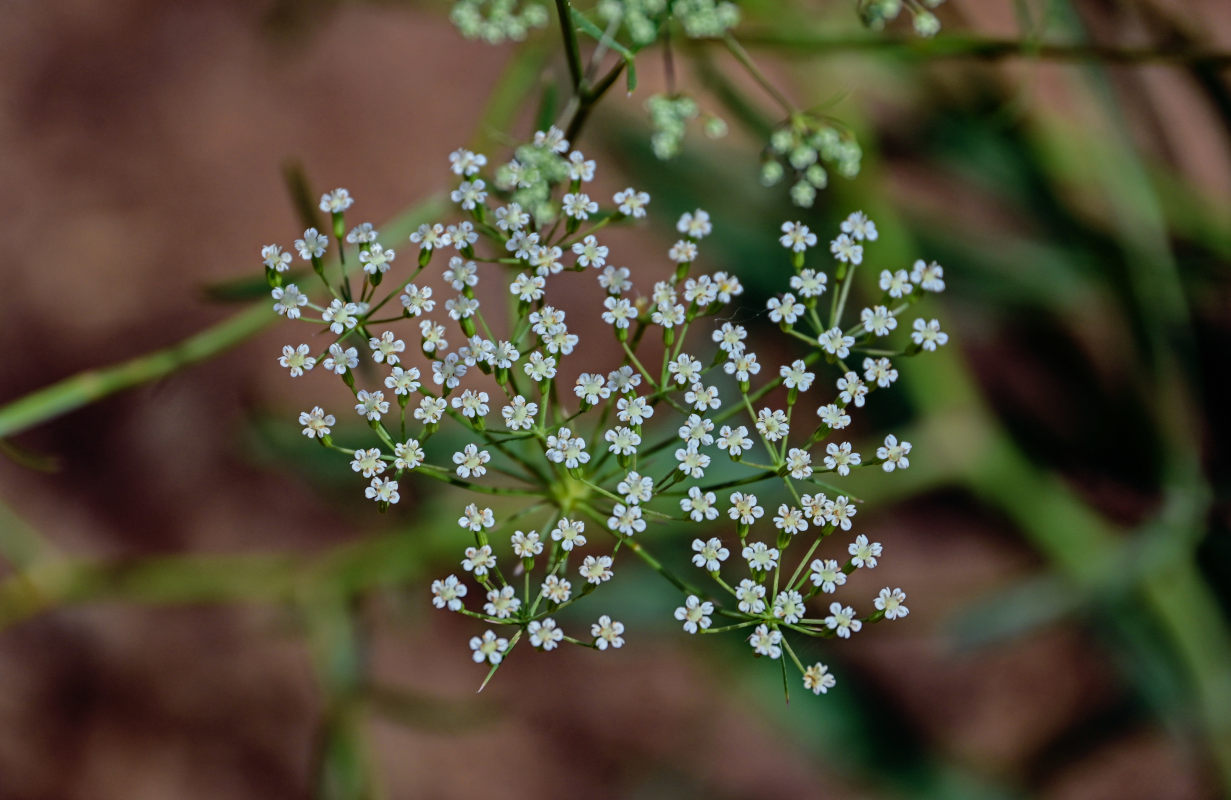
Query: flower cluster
[[565, 459], [876, 13], [496, 21], [802, 145]]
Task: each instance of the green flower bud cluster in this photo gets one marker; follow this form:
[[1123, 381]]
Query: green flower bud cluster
[[801, 146], [669, 115], [497, 21]]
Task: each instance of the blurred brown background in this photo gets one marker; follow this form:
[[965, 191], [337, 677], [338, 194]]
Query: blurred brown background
[[140, 152]]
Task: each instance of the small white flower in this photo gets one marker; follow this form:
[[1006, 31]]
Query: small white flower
[[852, 390], [844, 249], [744, 508], [699, 505], [703, 398], [475, 519], [766, 642], [312, 245], [928, 335], [296, 359], [930, 277], [827, 574], [489, 648], [579, 206], [842, 621], [569, 533], [430, 410], [893, 454], [879, 371], [818, 680], [622, 441], [386, 349], [546, 634], [519, 414], [376, 259], [367, 462], [288, 300], [417, 301], [607, 633], [860, 227], [695, 225], [371, 405], [840, 458], [336, 202], [471, 461], [809, 283], [631, 202], [796, 375], [596, 569], [709, 555], [891, 602], [797, 237], [799, 463], [383, 490], [878, 320], [836, 343], [448, 593], [751, 596], [895, 284], [626, 519], [526, 545], [589, 252], [790, 520], [695, 613], [469, 193], [341, 316], [786, 310], [692, 462], [760, 556], [734, 440], [403, 381], [864, 554], [636, 488], [316, 423], [340, 359], [363, 233], [615, 279], [465, 163], [557, 590], [772, 424], [407, 454], [683, 252], [479, 560]]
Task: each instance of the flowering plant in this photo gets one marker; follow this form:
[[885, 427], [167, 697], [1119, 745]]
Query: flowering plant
[[567, 467]]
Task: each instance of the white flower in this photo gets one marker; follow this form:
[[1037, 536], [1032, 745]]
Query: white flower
[[772, 424], [607, 633], [692, 462], [844, 249], [336, 202], [526, 545], [842, 621], [596, 569], [622, 441], [565, 448], [403, 381], [864, 553], [668, 315], [702, 397], [751, 596], [465, 163], [879, 371], [797, 237], [840, 458], [489, 648], [852, 390], [895, 284], [589, 252], [519, 414], [383, 490], [809, 283], [709, 555], [626, 519], [551, 139], [730, 338], [760, 556], [818, 680], [340, 359], [860, 227], [636, 488], [734, 440], [796, 375], [431, 237], [502, 603], [765, 642], [744, 508], [787, 310], [696, 430], [557, 590], [700, 505], [430, 410], [540, 367], [479, 560], [695, 225], [475, 519], [790, 520], [296, 359], [376, 259], [386, 348], [840, 512], [579, 206], [341, 316], [471, 461], [620, 312], [316, 423], [743, 366], [363, 233], [836, 343], [928, 335], [545, 634], [417, 301], [615, 279], [528, 288], [633, 411], [469, 193], [448, 593], [893, 454], [685, 368], [408, 454], [591, 387], [312, 245], [569, 533], [371, 405], [930, 277], [695, 613], [578, 168], [631, 202], [289, 300], [891, 602], [878, 320], [833, 416], [799, 463], [683, 252], [789, 607], [827, 574], [368, 462]]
